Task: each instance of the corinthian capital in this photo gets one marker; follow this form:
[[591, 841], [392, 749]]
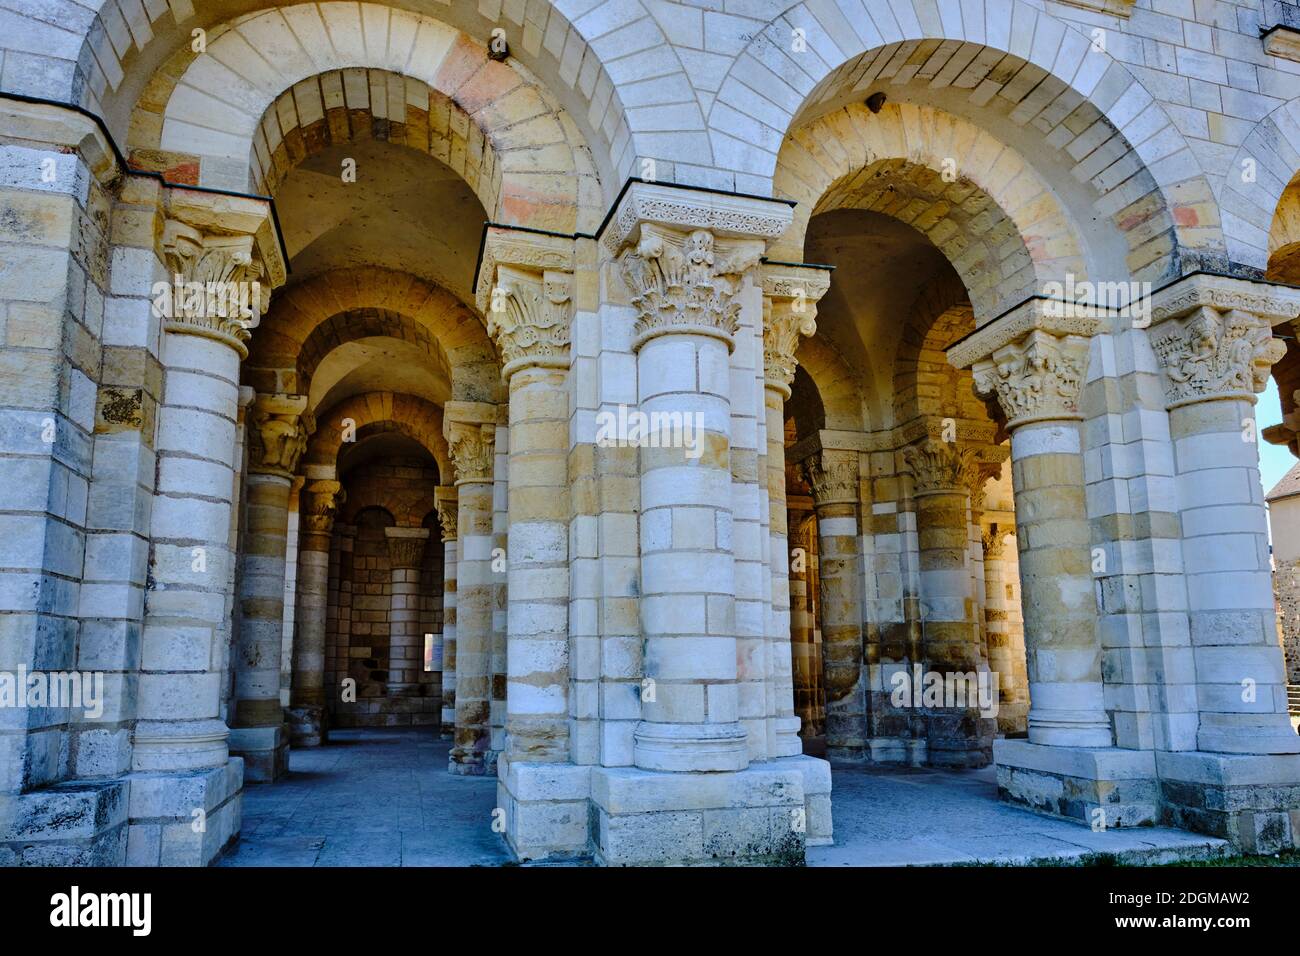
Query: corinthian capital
[[833, 476], [686, 282], [445, 500], [529, 317], [406, 546], [217, 284], [473, 451], [790, 297], [939, 466], [321, 500], [277, 434], [1035, 378]]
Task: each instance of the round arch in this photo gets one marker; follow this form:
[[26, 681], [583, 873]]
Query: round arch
[[413, 417]]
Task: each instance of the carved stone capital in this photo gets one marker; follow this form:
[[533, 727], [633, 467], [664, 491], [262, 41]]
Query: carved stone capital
[[446, 501], [1036, 378], [686, 282], [1213, 353], [473, 451], [995, 542], [321, 500], [832, 474], [406, 547], [277, 434], [790, 297], [218, 285], [941, 467], [529, 317]]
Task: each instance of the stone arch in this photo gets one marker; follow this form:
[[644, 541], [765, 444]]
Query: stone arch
[[925, 384], [998, 223], [280, 341], [413, 417], [1011, 59], [204, 113], [835, 383], [1260, 199], [364, 323]]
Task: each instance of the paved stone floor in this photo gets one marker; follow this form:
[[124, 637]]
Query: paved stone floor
[[384, 798]]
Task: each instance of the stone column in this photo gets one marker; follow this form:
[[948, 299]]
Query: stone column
[[308, 726], [957, 734], [1215, 346], [447, 515], [833, 476], [276, 439], [804, 660], [790, 296], [1037, 379], [180, 729], [687, 259], [1002, 647], [405, 640], [469, 431], [690, 722], [530, 319]]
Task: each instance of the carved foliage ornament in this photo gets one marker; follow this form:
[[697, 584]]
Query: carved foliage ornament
[[224, 267], [1212, 354], [473, 451], [1036, 378], [784, 321], [685, 282], [832, 475], [406, 546], [939, 466], [529, 318], [447, 508]]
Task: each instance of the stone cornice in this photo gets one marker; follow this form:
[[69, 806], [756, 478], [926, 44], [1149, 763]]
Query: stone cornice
[[1275, 304], [723, 214], [277, 434], [790, 297], [224, 214], [1043, 315]]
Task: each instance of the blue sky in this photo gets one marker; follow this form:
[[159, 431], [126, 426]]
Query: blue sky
[[1274, 460]]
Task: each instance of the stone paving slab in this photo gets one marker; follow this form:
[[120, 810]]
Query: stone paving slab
[[384, 798], [921, 817]]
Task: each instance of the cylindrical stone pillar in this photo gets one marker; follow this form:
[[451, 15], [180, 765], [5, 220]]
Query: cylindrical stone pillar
[[1214, 361], [801, 624], [1037, 381], [320, 500], [833, 476], [276, 440], [1002, 647], [405, 639], [447, 517], [472, 450], [957, 734]]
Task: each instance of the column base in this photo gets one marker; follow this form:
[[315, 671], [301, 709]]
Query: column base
[[546, 810], [308, 726], [75, 823], [1077, 782], [1013, 718], [755, 816], [468, 763], [819, 829], [1253, 801], [897, 751], [959, 739], [265, 751], [166, 830]]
